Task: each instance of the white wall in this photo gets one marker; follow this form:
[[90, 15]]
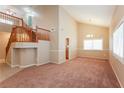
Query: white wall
[[118, 67], [28, 54], [51, 13], [24, 57], [67, 29], [43, 52]]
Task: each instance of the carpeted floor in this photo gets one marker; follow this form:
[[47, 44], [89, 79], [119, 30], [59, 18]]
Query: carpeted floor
[[78, 73]]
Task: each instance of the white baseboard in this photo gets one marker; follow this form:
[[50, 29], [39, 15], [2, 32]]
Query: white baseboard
[[94, 58], [38, 64], [54, 62], [116, 76], [12, 66], [27, 66], [63, 61], [2, 60]]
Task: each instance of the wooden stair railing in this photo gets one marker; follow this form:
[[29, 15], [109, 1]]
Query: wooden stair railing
[[43, 34], [21, 32]]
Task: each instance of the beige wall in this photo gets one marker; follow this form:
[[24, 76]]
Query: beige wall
[[51, 14], [98, 32], [117, 66], [67, 29], [4, 37]]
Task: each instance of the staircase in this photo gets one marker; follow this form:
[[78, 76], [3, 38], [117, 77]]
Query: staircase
[[21, 32]]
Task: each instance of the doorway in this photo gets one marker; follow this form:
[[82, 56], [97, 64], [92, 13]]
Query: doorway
[[67, 48]]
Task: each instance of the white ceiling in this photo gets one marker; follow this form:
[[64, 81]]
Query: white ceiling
[[91, 14]]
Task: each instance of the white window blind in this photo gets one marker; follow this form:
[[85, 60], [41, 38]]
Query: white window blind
[[93, 44]]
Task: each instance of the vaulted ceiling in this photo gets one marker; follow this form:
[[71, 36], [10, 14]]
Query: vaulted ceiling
[[92, 14]]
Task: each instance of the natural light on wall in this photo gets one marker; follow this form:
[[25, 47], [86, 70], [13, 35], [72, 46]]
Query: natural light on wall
[[118, 42]]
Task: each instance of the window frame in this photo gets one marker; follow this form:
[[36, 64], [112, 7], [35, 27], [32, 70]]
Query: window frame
[[93, 45], [8, 22], [115, 55]]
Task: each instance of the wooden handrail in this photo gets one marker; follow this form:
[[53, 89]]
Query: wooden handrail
[[42, 29], [43, 34], [21, 34], [26, 34]]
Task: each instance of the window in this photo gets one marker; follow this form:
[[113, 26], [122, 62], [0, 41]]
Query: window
[[89, 36], [93, 44], [30, 20], [6, 21], [118, 42]]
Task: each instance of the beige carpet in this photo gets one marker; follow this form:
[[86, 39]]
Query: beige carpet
[[79, 73]]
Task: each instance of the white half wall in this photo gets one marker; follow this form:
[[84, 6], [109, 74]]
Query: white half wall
[[43, 52], [28, 54]]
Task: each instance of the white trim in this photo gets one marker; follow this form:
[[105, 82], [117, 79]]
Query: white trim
[[24, 45], [61, 61], [27, 66], [92, 50], [116, 75], [106, 59], [2, 60], [60, 50], [38, 64], [12, 66]]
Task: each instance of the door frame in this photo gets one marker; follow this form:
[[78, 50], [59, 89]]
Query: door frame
[[67, 48]]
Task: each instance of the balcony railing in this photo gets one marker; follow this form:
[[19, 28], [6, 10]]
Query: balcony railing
[[43, 34], [21, 32], [9, 19]]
